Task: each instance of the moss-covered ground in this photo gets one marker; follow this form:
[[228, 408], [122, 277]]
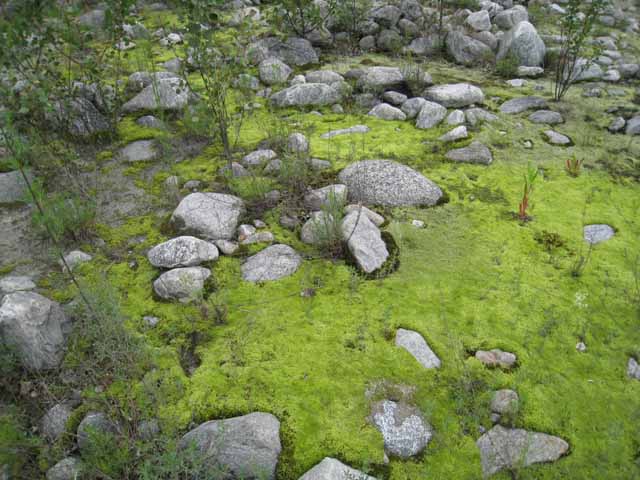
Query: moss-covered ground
[[473, 278]]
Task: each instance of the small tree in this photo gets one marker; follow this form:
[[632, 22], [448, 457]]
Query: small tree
[[303, 16], [575, 27], [218, 66]]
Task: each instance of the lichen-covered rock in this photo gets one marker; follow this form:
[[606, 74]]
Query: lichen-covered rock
[[80, 117], [272, 263], [380, 78], [504, 401], [431, 114], [332, 469], [503, 448], [511, 17], [416, 345], [457, 133], [454, 95], [388, 183], [32, 325], [524, 43], [298, 144], [13, 188], [376, 218], [480, 21], [475, 152], [167, 94], [476, 116], [213, 216], [15, 283], [274, 71], [633, 369], [69, 468], [244, 447], [412, 107], [182, 252], [404, 430], [183, 284], [258, 157], [140, 151], [364, 242], [307, 94], [318, 228]]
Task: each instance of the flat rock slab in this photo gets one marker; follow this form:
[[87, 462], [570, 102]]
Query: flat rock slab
[[140, 151], [522, 104], [213, 216], [454, 95], [388, 183], [404, 430], [345, 131], [308, 94], [244, 447], [183, 284], [272, 263], [332, 469], [502, 448], [16, 283], [417, 346], [595, 234], [475, 152], [546, 116], [182, 251], [168, 94], [555, 138]]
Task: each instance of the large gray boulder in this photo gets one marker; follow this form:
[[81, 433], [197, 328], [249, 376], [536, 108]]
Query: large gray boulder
[[332, 469], [475, 152], [272, 263], [69, 468], [546, 116], [524, 43], [364, 242], [454, 95], [53, 424], [213, 216], [431, 114], [388, 183], [182, 252], [167, 94], [466, 50], [80, 117], [274, 71], [13, 188], [509, 18], [380, 78], [503, 448], [412, 106], [245, 447], [308, 94], [404, 430], [94, 428], [32, 324], [522, 104], [416, 345], [293, 51], [480, 21], [183, 284]]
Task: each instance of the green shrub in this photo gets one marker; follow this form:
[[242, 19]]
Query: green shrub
[[507, 67]]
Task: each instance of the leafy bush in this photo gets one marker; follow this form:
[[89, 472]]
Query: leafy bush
[[507, 67]]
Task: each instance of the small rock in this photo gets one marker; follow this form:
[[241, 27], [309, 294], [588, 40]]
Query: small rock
[[182, 284], [332, 469], [182, 251], [504, 401], [416, 345], [364, 242], [475, 152], [555, 138], [417, 223], [455, 118], [297, 144], [93, 423], [326, 197], [431, 114], [150, 320], [404, 430], [457, 133], [272, 263], [522, 104], [546, 116], [69, 468], [140, 151], [259, 157], [633, 369], [346, 131], [581, 347], [227, 247], [496, 358], [370, 214], [387, 112], [54, 422], [595, 234]]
